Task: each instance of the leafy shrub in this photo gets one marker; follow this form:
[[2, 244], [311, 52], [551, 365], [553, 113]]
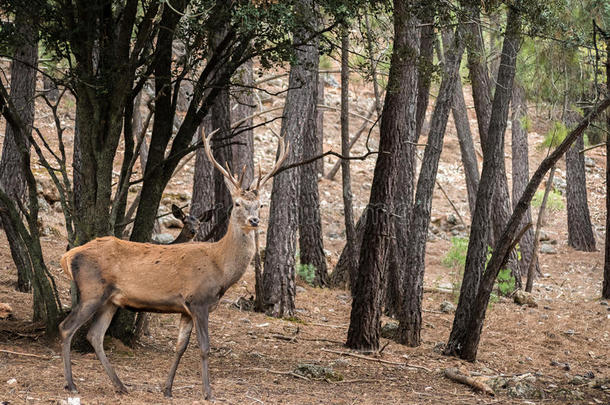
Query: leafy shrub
[[505, 282], [555, 136], [554, 202], [456, 256], [307, 272]]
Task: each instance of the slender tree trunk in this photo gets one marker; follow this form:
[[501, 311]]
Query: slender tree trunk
[[533, 252], [606, 281], [493, 157], [426, 62], [521, 174], [365, 318], [345, 270], [413, 286], [310, 223], [243, 149], [279, 268], [320, 128], [348, 209], [462, 126], [580, 229], [12, 176]]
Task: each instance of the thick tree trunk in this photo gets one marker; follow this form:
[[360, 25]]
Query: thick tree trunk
[[279, 268], [203, 184], [365, 318], [414, 266], [348, 208], [12, 176], [606, 281], [580, 229], [310, 223], [426, 62], [493, 157], [521, 173]]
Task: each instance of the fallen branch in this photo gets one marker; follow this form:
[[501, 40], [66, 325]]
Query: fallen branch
[[25, 354], [281, 373], [359, 356], [455, 375]]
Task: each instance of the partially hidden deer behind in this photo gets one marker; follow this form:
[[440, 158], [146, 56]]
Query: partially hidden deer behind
[[188, 279]]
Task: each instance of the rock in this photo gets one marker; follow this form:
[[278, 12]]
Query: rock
[[559, 184], [11, 381], [163, 238], [47, 188], [447, 307], [389, 330], [524, 298], [604, 303], [330, 80], [446, 286], [451, 219], [300, 289], [316, 372], [434, 229], [589, 162], [439, 347], [548, 249], [6, 311], [170, 222], [43, 205], [543, 236]]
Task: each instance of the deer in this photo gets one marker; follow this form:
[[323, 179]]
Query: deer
[[190, 225], [188, 279]]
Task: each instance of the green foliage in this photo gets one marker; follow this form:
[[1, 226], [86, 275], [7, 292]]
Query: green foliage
[[526, 123], [554, 201], [307, 272], [456, 256], [505, 282], [554, 136]]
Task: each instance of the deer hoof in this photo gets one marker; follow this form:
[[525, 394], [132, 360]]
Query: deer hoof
[[167, 392], [71, 388], [122, 390]]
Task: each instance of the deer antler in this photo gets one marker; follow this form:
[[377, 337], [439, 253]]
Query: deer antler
[[225, 172], [283, 147]]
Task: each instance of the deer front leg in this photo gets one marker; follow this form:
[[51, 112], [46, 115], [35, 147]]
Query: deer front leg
[[184, 334], [201, 314]]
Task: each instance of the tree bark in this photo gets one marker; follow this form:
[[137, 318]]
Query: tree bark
[[521, 174], [12, 175], [348, 208], [426, 62], [409, 329], [345, 270], [580, 229], [320, 127], [279, 268], [365, 317], [311, 243], [493, 157], [203, 184], [243, 147]]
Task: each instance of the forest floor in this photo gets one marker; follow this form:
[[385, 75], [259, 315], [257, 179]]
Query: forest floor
[[557, 352]]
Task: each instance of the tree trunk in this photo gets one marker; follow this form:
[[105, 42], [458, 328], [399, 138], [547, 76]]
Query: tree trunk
[[580, 229], [203, 184], [367, 292], [299, 110], [348, 207], [12, 176], [521, 173], [345, 270], [493, 156], [414, 266], [426, 62], [310, 224], [320, 127], [243, 148]]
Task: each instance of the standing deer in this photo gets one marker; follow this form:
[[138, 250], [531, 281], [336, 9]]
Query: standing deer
[[190, 225], [188, 279]]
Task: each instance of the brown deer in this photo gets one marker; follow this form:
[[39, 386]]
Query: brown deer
[[190, 225], [188, 279]]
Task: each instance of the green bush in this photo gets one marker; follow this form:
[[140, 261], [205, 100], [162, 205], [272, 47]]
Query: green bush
[[456, 256], [554, 202], [307, 272], [505, 282]]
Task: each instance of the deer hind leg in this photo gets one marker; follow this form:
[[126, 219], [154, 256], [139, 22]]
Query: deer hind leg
[[79, 315], [184, 334], [95, 336], [201, 314]]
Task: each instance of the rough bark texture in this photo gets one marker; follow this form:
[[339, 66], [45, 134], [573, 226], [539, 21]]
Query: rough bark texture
[[606, 281], [493, 157], [279, 268], [365, 318], [521, 172], [347, 265], [12, 175], [426, 66], [320, 127], [310, 223], [462, 126], [203, 185], [403, 197], [348, 208], [580, 229], [414, 266], [243, 107]]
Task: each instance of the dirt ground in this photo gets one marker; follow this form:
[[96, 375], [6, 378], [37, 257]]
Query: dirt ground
[[557, 352]]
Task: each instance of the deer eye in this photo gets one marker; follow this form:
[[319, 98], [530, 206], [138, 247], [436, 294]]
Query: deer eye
[[237, 204]]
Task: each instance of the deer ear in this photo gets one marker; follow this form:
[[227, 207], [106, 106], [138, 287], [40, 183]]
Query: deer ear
[[232, 189], [177, 212]]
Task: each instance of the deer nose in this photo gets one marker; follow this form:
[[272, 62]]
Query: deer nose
[[253, 221]]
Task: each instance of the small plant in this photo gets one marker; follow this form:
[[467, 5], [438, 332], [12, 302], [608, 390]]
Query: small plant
[[456, 256], [505, 282], [307, 272], [554, 201], [555, 136]]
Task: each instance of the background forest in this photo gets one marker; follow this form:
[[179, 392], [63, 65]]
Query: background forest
[[436, 233]]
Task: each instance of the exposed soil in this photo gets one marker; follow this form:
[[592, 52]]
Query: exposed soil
[[561, 347]]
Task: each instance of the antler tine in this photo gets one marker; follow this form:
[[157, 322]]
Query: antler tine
[[242, 175], [260, 176], [208, 152], [283, 147]]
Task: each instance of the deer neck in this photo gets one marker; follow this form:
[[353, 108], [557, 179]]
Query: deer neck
[[237, 249]]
